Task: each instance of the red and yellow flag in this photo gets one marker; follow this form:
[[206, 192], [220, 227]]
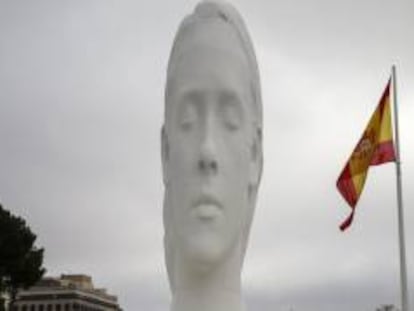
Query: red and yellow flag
[[375, 147]]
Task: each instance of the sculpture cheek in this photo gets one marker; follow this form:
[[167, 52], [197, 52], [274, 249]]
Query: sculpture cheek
[[256, 159], [165, 153]]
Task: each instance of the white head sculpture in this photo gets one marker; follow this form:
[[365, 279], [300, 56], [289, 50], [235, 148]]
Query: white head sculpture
[[212, 157]]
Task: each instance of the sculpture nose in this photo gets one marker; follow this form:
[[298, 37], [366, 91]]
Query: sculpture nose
[[207, 163]]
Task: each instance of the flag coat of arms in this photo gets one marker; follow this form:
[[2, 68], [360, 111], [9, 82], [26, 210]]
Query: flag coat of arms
[[375, 147]]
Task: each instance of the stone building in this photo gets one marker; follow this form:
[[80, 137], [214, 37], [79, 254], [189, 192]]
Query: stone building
[[4, 301], [73, 292]]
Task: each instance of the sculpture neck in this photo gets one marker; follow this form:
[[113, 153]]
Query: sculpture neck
[[215, 300], [214, 287]]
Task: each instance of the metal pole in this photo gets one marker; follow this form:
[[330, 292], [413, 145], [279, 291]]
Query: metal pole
[[403, 267]]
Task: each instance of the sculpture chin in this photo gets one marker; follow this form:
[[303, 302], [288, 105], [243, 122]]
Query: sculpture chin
[[205, 250]]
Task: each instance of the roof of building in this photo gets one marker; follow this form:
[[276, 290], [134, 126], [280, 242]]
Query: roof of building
[[79, 283]]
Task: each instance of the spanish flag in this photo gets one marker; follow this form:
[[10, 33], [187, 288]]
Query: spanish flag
[[375, 147]]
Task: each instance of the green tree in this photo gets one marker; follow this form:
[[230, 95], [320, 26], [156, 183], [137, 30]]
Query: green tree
[[389, 307], [20, 261]]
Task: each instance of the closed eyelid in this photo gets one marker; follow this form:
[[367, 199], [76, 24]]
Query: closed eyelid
[[232, 111], [190, 99], [193, 103], [188, 109], [230, 99]]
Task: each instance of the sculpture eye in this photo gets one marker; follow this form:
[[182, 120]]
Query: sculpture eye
[[188, 116], [231, 113]]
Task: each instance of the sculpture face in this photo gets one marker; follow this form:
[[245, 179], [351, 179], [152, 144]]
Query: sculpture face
[[209, 145]]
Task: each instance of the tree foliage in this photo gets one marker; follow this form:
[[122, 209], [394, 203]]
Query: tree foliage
[[20, 261], [389, 307]]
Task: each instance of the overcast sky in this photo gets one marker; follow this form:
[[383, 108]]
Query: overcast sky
[[81, 102]]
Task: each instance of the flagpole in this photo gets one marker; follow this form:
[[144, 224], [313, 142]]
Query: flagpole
[[403, 266]]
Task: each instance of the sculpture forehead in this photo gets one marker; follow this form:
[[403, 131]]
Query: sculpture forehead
[[209, 69], [206, 52], [207, 32], [211, 34]]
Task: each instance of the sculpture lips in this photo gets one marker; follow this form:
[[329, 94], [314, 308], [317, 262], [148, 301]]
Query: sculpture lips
[[207, 208], [207, 211]]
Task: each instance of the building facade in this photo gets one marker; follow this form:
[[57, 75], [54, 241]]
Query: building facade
[[66, 293], [4, 301]]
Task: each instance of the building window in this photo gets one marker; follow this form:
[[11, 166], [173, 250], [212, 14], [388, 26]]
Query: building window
[[75, 306], [49, 307], [66, 307], [41, 307], [57, 307], [32, 307], [24, 308]]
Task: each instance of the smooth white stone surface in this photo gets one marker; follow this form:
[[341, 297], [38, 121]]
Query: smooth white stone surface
[[212, 158]]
